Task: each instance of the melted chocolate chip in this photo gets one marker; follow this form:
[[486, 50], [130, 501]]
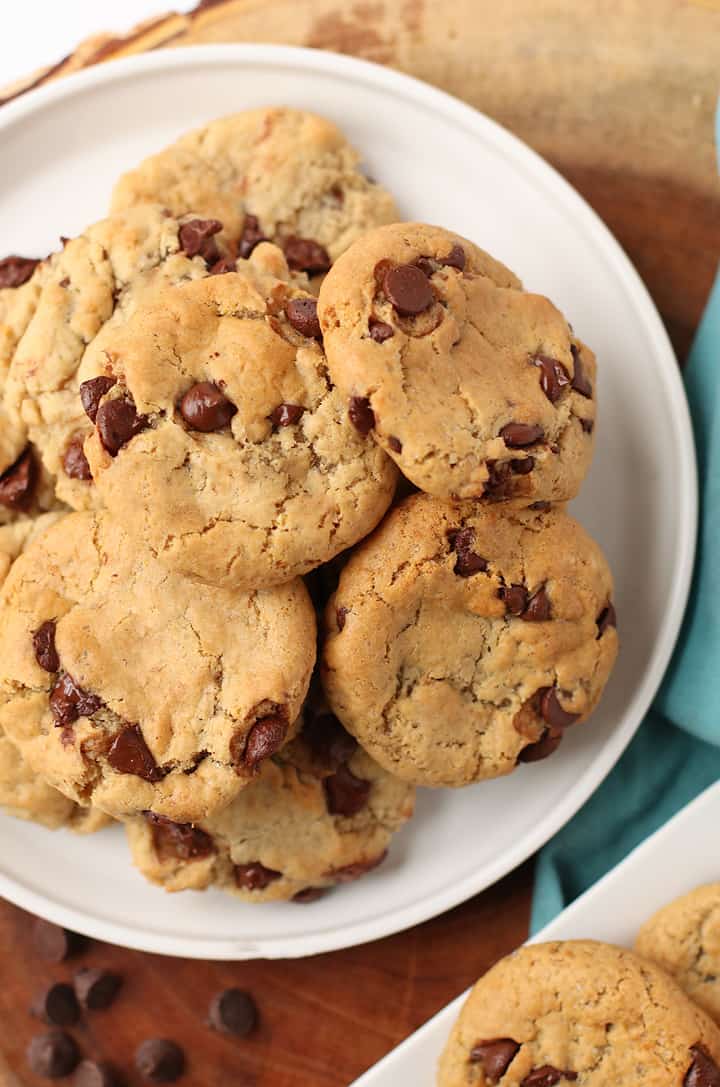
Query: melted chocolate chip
[[345, 794], [254, 877], [580, 382], [95, 988], [497, 484], [588, 425], [467, 562], [57, 1005], [380, 331], [117, 422], [302, 315], [554, 378], [361, 414], [286, 415], [205, 408], [703, 1071], [454, 259], [542, 748], [160, 1060], [408, 289], [340, 617], [328, 740], [196, 239], [92, 392], [52, 1055], [515, 598], [539, 506], [223, 266], [523, 466], [306, 255], [546, 1076], [538, 607], [44, 645], [266, 737], [495, 1056], [350, 872], [309, 894], [178, 841], [68, 701], [520, 435], [129, 754], [606, 618], [17, 483], [14, 271], [74, 461], [552, 712], [233, 1012], [395, 444], [251, 236]]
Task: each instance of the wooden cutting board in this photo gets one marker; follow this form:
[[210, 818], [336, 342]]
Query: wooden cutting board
[[619, 95]]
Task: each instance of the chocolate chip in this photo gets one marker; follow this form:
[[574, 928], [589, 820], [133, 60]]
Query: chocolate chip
[[204, 407], [340, 617], [53, 942], [408, 289], [223, 266], [328, 740], [467, 562], [306, 255], [542, 748], [69, 701], [74, 461], [52, 1055], [515, 598], [129, 754], [552, 712], [117, 422], [580, 382], [454, 259], [519, 435], [266, 737], [255, 876], [523, 466], [17, 483], [361, 414], [302, 315], [538, 607], [554, 378], [181, 841], [251, 236], [95, 1074], [14, 271], [44, 645], [96, 989], [345, 794], [426, 266], [588, 425], [395, 444], [380, 331], [546, 1076], [233, 1012], [286, 415], [495, 1056], [160, 1060], [92, 392], [196, 238], [350, 872], [606, 618], [57, 1005], [540, 506], [497, 484], [309, 894], [703, 1072]]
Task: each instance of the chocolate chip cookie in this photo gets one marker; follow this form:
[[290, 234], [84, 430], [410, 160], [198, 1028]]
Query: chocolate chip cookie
[[132, 688], [276, 174], [19, 290], [475, 387], [684, 939], [584, 1012], [321, 812], [464, 638], [218, 430]]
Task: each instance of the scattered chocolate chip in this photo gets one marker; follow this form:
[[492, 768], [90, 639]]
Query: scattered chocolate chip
[[92, 392], [328, 740], [52, 1055], [302, 315], [196, 238], [345, 794], [542, 748], [233, 1012], [495, 1056], [546, 1076], [57, 1005], [44, 645], [554, 378], [255, 876], [380, 331], [309, 894], [408, 289], [95, 1074], [14, 271], [69, 701], [96, 989], [17, 483], [266, 737], [497, 484], [306, 255], [551, 710], [181, 841], [204, 407], [129, 754], [606, 618], [251, 236], [350, 872], [340, 617], [515, 598], [538, 607], [588, 425], [580, 382], [520, 435], [223, 266], [395, 444], [454, 259], [703, 1072], [286, 415], [74, 461], [117, 422], [53, 942], [467, 562], [361, 414], [523, 466], [540, 507], [160, 1060]]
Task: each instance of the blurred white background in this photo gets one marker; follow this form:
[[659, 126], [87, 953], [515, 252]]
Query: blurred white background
[[39, 32]]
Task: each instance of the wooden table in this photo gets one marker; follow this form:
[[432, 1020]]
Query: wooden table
[[619, 95]]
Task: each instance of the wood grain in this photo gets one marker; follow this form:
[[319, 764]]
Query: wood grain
[[620, 97]]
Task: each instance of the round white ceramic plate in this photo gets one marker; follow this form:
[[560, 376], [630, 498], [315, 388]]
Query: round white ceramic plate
[[61, 148]]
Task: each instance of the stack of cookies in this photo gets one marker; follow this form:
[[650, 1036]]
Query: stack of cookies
[[235, 382]]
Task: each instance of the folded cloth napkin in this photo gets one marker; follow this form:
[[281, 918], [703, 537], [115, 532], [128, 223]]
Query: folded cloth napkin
[[676, 752]]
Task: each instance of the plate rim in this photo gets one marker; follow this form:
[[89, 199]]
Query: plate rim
[[453, 111]]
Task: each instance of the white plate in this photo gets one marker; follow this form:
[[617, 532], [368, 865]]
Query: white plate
[[679, 856], [62, 147]]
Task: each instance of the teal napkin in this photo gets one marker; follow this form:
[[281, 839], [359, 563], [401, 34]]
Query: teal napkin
[[676, 752]]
